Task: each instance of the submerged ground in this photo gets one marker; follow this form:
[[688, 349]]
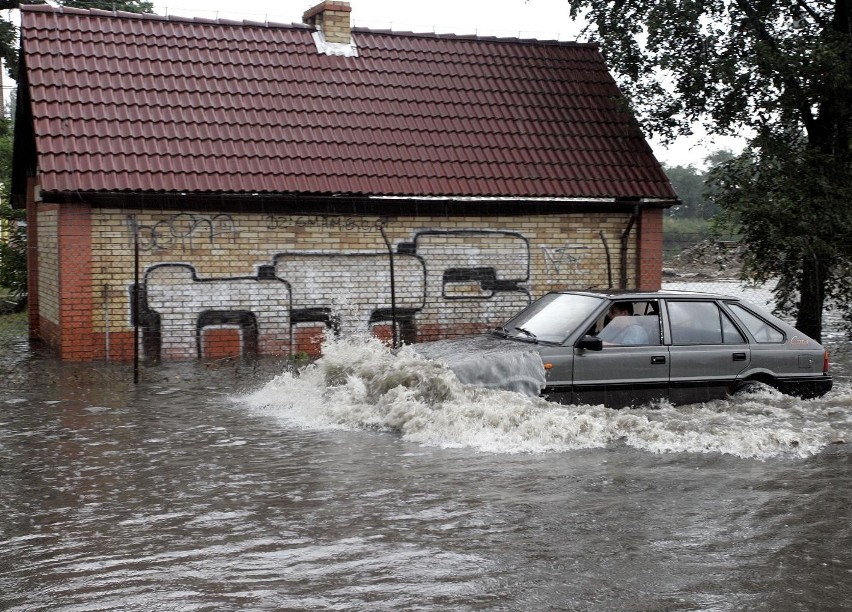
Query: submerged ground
[[373, 480]]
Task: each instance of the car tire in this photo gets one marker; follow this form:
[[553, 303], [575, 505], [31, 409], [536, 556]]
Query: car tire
[[752, 386]]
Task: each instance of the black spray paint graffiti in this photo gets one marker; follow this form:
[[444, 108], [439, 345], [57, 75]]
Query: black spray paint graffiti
[[349, 292], [346, 224], [474, 277], [177, 306], [444, 278], [496, 261], [181, 231], [562, 260]]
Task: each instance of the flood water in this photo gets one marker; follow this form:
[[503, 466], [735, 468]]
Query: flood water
[[375, 481]]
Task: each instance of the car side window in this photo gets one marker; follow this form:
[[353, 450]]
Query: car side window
[[701, 323], [630, 324], [761, 330], [730, 333]]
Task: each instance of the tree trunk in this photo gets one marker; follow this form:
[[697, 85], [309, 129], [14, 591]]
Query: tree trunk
[[811, 297]]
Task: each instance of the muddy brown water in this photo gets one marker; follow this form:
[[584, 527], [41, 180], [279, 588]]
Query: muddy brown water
[[374, 481]]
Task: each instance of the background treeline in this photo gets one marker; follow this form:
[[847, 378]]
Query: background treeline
[[692, 222], [13, 246]]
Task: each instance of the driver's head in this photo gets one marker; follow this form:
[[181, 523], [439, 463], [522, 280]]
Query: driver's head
[[619, 310]]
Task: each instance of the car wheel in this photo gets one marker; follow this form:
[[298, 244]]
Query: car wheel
[[752, 386]]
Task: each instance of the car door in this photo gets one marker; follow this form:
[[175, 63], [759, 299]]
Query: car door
[[625, 375], [707, 351]]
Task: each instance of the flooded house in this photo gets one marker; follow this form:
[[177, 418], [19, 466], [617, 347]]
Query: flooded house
[[202, 188]]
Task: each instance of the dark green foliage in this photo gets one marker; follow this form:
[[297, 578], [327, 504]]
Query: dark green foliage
[[682, 233], [693, 190], [13, 252], [6, 137], [689, 184], [9, 47], [791, 205], [692, 222], [13, 240]]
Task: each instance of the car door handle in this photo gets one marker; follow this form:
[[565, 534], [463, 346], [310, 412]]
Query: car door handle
[[657, 359], [739, 356]]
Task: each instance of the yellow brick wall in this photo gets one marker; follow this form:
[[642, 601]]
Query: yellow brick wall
[[208, 261], [48, 265]]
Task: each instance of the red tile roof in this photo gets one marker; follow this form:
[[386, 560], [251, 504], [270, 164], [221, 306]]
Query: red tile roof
[[153, 104]]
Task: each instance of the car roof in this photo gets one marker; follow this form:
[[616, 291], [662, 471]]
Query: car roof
[[652, 295]]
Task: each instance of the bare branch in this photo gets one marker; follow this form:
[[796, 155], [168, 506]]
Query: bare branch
[[813, 14]]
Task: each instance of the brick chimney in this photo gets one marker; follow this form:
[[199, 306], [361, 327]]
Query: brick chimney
[[332, 19]]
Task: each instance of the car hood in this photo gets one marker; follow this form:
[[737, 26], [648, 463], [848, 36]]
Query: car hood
[[489, 361]]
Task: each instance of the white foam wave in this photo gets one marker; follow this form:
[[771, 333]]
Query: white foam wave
[[484, 361], [359, 383]]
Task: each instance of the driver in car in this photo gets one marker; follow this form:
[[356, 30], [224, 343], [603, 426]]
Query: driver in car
[[622, 329]]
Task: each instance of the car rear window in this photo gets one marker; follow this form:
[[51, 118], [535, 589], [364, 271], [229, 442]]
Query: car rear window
[[761, 330]]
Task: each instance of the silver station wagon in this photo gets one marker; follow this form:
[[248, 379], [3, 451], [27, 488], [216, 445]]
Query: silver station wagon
[[629, 349]]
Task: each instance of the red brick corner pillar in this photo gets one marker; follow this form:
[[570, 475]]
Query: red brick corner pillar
[[649, 260], [75, 282]]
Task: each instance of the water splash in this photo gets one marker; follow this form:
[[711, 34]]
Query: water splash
[[359, 383], [489, 362]]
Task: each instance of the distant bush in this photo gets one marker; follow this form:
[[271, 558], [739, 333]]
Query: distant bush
[[13, 254]]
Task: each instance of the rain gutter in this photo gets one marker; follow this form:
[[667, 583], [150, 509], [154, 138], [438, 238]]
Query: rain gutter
[[625, 239]]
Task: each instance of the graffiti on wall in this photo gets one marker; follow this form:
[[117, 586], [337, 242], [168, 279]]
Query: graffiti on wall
[[183, 231], [355, 287], [478, 277], [443, 279], [346, 224], [177, 307], [562, 260]]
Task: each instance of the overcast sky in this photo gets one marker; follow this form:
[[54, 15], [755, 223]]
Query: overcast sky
[[531, 19]]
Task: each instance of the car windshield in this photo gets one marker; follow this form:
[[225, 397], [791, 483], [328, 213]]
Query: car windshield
[[553, 317]]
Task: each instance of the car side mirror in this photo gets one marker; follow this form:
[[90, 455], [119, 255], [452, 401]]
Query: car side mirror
[[590, 343]]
